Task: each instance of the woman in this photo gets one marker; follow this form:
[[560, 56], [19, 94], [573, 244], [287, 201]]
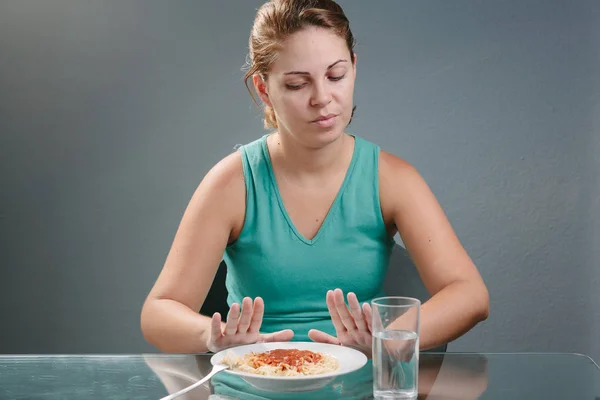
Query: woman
[[307, 213]]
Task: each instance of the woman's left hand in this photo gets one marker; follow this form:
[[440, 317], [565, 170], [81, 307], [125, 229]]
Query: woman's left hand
[[352, 323]]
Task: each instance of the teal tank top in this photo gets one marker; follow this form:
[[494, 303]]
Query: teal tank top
[[271, 259]]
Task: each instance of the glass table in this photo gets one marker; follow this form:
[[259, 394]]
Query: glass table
[[152, 376]]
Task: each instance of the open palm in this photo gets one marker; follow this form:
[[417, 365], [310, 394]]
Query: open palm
[[243, 327], [352, 323]]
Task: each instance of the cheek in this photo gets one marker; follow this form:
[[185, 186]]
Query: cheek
[[292, 104], [345, 93]]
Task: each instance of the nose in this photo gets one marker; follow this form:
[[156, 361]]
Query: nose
[[321, 95]]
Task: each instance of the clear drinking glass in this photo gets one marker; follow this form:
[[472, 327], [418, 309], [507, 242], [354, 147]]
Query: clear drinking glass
[[395, 329]]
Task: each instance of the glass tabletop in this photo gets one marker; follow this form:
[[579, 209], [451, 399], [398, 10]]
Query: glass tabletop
[[152, 376]]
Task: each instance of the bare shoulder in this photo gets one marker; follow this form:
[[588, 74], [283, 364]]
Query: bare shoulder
[[392, 165], [398, 181], [226, 175], [223, 190]]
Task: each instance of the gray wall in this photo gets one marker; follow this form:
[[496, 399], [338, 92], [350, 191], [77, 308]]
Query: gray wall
[[111, 112], [594, 224]]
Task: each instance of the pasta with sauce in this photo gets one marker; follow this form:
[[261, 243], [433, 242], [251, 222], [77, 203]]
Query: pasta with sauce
[[283, 362]]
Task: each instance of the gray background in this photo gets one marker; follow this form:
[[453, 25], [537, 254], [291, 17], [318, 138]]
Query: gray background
[[111, 112]]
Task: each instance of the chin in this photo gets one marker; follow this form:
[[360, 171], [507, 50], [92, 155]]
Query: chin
[[316, 137], [321, 138]]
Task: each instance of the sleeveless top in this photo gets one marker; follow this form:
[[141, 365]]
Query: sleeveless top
[[292, 274]]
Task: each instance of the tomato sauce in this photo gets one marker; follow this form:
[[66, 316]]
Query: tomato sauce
[[286, 358]]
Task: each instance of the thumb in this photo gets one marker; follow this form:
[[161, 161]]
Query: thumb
[[280, 336], [319, 336]]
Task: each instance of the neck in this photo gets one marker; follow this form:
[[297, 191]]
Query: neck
[[302, 162]]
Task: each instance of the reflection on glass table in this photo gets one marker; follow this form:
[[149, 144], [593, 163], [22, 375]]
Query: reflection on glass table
[[152, 376]]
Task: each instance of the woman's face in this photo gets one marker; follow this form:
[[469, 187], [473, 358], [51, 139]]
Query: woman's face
[[310, 86]]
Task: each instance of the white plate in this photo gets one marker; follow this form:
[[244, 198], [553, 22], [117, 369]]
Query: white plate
[[349, 360]]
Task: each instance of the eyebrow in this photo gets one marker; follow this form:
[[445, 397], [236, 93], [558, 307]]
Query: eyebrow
[[307, 73]]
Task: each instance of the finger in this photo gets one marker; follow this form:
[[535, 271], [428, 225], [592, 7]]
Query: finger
[[342, 309], [322, 337], [246, 316], [335, 317], [356, 312], [232, 319], [368, 313], [215, 327], [280, 336], [257, 315]]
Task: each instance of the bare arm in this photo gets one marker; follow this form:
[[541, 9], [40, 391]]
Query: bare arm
[[459, 296], [170, 318]]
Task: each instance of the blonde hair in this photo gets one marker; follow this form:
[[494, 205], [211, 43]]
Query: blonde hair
[[275, 21]]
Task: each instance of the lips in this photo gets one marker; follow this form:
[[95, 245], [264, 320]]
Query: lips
[[326, 121], [324, 118]]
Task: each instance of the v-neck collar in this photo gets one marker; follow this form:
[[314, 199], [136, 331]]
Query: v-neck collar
[[334, 205]]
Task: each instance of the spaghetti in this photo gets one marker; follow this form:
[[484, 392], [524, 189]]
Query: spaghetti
[[283, 362]]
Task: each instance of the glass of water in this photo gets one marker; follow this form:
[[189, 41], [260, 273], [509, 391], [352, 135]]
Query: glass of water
[[395, 329]]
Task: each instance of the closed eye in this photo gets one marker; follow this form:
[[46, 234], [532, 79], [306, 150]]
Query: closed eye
[[294, 87], [301, 85]]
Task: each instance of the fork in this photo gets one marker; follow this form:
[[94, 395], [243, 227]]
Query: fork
[[215, 370]]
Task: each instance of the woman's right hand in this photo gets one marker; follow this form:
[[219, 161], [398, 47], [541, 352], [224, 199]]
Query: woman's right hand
[[243, 327]]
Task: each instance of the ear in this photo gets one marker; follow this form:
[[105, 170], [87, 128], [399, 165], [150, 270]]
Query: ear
[[354, 56], [261, 88]]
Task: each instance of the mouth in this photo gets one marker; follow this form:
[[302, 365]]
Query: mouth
[[324, 118]]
